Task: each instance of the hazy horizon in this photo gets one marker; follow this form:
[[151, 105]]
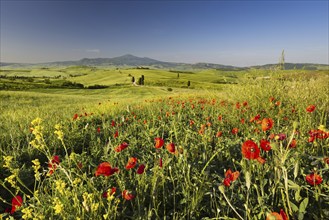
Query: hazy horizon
[[238, 33]]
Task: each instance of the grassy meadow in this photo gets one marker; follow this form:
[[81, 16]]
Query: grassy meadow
[[86, 143]]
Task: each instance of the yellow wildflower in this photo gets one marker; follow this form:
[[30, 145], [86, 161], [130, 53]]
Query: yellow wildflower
[[60, 186], [36, 121], [27, 213], [94, 207], [36, 166], [7, 160], [59, 132], [58, 205]]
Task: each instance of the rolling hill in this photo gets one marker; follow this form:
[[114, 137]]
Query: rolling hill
[[129, 60]]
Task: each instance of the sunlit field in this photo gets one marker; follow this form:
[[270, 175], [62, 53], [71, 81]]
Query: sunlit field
[[203, 144]]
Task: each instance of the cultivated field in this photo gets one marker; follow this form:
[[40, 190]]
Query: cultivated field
[[86, 143]]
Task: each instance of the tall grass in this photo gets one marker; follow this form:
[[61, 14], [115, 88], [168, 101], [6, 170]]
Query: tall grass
[[188, 182]]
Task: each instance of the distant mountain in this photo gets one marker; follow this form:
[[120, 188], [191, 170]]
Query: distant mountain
[[129, 60], [290, 66]]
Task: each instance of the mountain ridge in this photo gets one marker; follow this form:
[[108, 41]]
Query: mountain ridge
[[129, 60]]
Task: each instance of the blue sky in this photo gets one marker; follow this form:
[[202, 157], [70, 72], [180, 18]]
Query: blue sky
[[240, 33]]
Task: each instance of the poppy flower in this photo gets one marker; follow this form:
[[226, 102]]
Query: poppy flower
[[113, 123], [16, 202], [116, 134], [52, 165], [261, 160], [140, 169], [171, 148], [235, 130], [131, 163], [106, 193], [105, 169], [310, 108], [293, 143], [265, 145], [121, 147], [277, 216], [127, 195], [313, 179], [219, 134], [280, 137], [75, 116], [230, 177], [267, 124], [250, 150], [159, 142]]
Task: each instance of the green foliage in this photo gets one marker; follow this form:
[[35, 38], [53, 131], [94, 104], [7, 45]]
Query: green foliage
[[84, 127]]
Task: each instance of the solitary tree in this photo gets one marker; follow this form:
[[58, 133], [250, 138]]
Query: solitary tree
[[142, 80], [281, 61], [188, 83]]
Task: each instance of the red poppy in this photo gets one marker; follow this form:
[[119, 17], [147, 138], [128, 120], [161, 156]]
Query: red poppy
[[293, 143], [313, 179], [113, 123], [277, 216], [75, 116], [105, 169], [219, 134], [131, 163], [237, 105], [311, 139], [272, 99], [16, 202], [235, 130], [261, 160], [280, 137], [267, 124], [171, 148], [121, 147], [98, 130], [140, 169], [265, 145], [159, 142], [250, 150], [116, 134], [52, 165], [106, 194], [284, 215], [230, 177], [310, 108], [127, 195]]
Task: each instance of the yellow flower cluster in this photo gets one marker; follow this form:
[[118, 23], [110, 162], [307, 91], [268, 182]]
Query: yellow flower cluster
[[7, 160], [12, 178], [60, 186], [36, 166], [38, 141], [58, 205], [59, 132], [27, 213], [87, 199]]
